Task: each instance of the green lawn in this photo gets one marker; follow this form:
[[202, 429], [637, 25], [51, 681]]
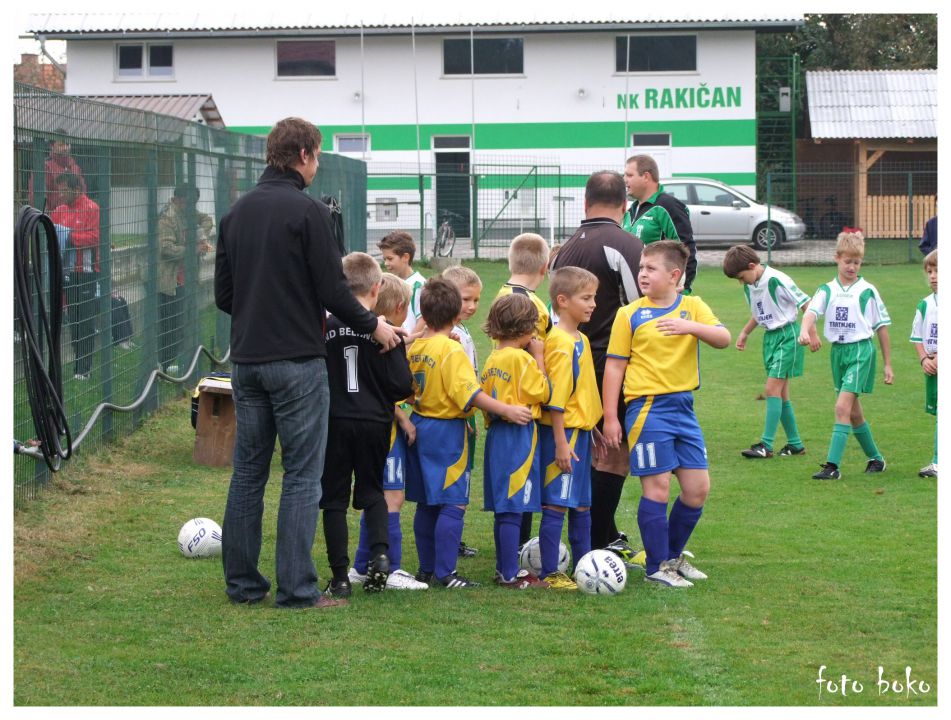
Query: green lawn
[[802, 574]]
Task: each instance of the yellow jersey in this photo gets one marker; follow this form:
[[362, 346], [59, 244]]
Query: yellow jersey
[[574, 387], [444, 380], [658, 364], [512, 376], [543, 326]]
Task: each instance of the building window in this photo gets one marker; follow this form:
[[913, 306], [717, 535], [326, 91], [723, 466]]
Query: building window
[[656, 53], [650, 139], [306, 58], [493, 56], [352, 143], [144, 60]]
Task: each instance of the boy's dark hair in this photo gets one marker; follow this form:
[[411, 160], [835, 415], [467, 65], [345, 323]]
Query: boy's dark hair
[[439, 303], [187, 192], [400, 242], [569, 281], [674, 253], [287, 138], [511, 316], [70, 180], [605, 188], [362, 273], [738, 259]]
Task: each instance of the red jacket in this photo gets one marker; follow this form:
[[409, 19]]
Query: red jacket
[[82, 219]]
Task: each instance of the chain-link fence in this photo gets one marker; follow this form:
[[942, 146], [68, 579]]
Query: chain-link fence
[[136, 198]]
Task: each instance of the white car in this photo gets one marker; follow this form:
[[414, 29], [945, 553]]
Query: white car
[[720, 214]]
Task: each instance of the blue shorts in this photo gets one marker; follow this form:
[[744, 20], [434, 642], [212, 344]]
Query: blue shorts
[[566, 489], [395, 460], [663, 434], [512, 468], [437, 464]]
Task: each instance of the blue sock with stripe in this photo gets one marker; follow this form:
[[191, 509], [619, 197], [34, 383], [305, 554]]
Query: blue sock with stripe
[[395, 530], [424, 529], [448, 536], [652, 521], [683, 519], [579, 533], [549, 539], [361, 557], [507, 527]]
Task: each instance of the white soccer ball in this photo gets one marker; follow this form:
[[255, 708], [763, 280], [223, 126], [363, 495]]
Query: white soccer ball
[[600, 572], [530, 558], [200, 537]]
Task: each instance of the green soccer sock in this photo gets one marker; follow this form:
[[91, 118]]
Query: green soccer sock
[[934, 460], [774, 409], [840, 436], [863, 433], [789, 425]]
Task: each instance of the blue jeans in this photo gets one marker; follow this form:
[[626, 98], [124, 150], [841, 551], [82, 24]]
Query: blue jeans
[[289, 399]]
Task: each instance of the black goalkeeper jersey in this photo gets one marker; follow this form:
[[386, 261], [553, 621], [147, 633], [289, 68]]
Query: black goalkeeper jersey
[[365, 384]]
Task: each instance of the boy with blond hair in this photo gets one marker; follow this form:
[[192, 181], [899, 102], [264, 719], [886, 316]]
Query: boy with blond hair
[[853, 311], [393, 304], [654, 353], [399, 249], [446, 391], [513, 373], [924, 334], [566, 423], [364, 386], [775, 302]]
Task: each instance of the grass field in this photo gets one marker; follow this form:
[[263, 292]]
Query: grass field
[[802, 574]]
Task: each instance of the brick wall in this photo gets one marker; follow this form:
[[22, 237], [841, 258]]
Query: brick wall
[[32, 72]]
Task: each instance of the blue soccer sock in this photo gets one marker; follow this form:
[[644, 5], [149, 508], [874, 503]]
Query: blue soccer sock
[[507, 526], [395, 531], [683, 519], [549, 539], [361, 557], [424, 529], [448, 536], [652, 521], [579, 533]]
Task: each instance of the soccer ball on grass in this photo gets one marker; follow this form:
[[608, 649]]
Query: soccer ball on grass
[[530, 558], [200, 537], [600, 572]]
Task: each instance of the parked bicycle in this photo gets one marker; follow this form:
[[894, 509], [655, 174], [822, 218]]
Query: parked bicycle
[[445, 239]]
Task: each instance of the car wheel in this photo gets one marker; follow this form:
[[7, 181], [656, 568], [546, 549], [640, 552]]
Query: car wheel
[[770, 237]]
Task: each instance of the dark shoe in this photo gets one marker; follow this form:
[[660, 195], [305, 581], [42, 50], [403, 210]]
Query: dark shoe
[[339, 589], [323, 602], [455, 580], [830, 471], [425, 577], [255, 601], [465, 551], [757, 451], [792, 450], [377, 571], [875, 466]]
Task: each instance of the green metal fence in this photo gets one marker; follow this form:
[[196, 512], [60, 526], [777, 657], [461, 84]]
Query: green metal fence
[[155, 252]]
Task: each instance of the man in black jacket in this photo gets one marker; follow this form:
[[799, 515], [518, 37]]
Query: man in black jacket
[[277, 268]]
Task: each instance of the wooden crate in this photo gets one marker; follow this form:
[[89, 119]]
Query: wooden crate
[[214, 434]]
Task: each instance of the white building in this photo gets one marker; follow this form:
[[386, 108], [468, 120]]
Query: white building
[[549, 101]]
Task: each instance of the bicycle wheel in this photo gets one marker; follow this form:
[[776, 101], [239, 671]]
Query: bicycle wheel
[[447, 241]]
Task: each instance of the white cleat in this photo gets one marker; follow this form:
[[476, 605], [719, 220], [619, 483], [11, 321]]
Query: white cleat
[[402, 580]]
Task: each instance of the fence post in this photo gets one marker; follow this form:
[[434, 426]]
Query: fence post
[[422, 217], [104, 289], [535, 201], [188, 327], [769, 208], [152, 334], [474, 220], [911, 217]]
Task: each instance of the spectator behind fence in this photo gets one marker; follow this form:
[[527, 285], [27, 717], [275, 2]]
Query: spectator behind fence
[[81, 276], [174, 232], [59, 162], [929, 241], [276, 270]]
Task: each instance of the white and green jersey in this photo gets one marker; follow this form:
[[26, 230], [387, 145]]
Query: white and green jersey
[[468, 344], [851, 313], [415, 282], [925, 328], [774, 299]]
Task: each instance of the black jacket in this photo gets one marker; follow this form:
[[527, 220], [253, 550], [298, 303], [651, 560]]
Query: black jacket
[[277, 269]]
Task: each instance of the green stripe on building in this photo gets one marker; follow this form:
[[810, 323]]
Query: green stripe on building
[[526, 182]]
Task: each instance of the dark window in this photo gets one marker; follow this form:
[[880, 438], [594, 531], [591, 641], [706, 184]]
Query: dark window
[[160, 60], [130, 60], [656, 53], [442, 143], [651, 139], [493, 56], [306, 58], [144, 60]]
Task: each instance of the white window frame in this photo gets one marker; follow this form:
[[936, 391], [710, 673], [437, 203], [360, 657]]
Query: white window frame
[[145, 74], [352, 136], [291, 78], [622, 73]]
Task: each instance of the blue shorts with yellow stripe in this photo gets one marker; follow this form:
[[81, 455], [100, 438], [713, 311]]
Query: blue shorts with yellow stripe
[[512, 477], [572, 489], [663, 434], [437, 464], [394, 470]]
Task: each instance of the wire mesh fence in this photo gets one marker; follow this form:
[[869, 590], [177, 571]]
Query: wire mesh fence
[[136, 198]]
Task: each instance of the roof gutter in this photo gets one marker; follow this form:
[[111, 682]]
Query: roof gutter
[[42, 41]]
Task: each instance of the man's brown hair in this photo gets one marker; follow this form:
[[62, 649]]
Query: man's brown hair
[[511, 316], [287, 138], [400, 242], [645, 164], [738, 259], [605, 188]]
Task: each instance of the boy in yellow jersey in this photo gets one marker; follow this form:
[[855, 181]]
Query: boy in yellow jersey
[[514, 374], [566, 423], [654, 352], [446, 391], [393, 303], [528, 264]]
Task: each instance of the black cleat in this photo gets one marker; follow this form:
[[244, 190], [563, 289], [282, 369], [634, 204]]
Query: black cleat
[[455, 580], [466, 551], [792, 450], [339, 589], [875, 466], [377, 572], [424, 577], [757, 451], [830, 471]]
